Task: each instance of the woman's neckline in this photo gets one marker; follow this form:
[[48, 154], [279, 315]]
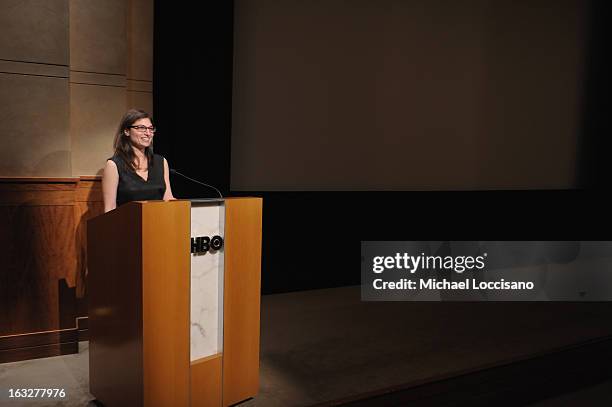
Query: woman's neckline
[[139, 176], [140, 157]]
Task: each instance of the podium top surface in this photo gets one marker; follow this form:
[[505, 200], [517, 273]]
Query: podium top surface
[[204, 200], [224, 199]]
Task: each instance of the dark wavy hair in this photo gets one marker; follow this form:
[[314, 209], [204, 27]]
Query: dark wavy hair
[[123, 147]]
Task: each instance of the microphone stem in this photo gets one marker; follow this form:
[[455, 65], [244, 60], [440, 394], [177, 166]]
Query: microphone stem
[[196, 181]]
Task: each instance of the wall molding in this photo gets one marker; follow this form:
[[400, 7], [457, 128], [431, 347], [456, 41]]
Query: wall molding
[[36, 69], [134, 85], [37, 345], [95, 78]]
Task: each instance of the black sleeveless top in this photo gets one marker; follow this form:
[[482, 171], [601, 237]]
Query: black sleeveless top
[[132, 187]]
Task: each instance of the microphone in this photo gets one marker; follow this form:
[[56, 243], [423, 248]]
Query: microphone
[[173, 171]]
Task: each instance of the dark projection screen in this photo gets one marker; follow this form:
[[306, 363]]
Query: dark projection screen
[[406, 95]]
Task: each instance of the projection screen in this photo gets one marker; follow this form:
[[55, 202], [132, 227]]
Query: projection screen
[[406, 95]]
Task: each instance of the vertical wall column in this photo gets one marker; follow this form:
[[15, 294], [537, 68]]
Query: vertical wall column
[[140, 55], [111, 64]]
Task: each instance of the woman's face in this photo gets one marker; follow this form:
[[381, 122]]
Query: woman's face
[[141, 133]]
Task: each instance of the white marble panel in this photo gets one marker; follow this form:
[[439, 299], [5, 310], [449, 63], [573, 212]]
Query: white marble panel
[[207, 219]]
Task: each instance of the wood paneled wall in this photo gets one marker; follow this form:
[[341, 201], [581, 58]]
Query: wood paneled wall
[[68, 72], [43, 269]]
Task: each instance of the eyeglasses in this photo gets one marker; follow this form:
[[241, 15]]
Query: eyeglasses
[[142, 129]]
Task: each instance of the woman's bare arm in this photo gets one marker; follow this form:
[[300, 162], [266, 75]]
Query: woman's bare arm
[[168, 194], [110, 180]]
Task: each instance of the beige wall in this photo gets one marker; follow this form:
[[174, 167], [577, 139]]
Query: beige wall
[[34, 97], [68, 71]]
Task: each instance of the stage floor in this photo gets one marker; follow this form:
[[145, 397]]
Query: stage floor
[[324, 345]]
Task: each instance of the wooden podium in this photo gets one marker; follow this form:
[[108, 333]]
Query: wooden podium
[[169, 327]]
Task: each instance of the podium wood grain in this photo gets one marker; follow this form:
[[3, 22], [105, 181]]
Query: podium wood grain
[[206, 381], [242, 293], [139, 280], [114, 248], [139, 313], [166, 302]]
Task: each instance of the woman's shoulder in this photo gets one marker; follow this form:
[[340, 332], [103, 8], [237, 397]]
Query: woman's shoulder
[[158, 158], [118, 161], [113, 161], [111, 169]]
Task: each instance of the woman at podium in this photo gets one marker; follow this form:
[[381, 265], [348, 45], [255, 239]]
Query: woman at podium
[[134, 172]]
